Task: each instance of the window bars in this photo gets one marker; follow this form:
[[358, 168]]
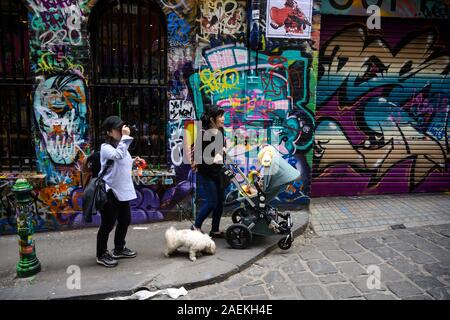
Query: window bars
[[128, 47], [16, 144]]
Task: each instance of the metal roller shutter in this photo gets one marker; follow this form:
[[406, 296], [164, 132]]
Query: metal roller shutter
[[382, 107]]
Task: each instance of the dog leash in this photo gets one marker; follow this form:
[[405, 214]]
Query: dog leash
[[183, 213]]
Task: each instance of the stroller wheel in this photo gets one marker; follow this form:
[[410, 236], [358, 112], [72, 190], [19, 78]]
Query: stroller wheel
[[238, 236], [285, 243], [236, 216]]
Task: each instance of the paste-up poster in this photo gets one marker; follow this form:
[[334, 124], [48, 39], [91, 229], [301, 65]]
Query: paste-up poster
[[289, 19]]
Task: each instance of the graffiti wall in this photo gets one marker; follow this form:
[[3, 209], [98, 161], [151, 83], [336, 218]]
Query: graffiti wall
[[377, 123], [60, 63], [266, 87], [217, 54], [382, 108], [60, 105], [390, 8]]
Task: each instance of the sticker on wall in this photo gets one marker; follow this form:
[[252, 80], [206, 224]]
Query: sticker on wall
[[181, 109], [289, 19]]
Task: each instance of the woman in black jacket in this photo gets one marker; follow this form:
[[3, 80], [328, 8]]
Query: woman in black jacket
[[211, 190]]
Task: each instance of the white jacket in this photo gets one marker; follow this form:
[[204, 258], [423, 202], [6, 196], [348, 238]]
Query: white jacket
[[119, 178]]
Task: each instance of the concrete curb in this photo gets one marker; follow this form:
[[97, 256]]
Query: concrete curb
[[151, 285]]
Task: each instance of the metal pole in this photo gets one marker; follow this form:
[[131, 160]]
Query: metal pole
[[28, 264]]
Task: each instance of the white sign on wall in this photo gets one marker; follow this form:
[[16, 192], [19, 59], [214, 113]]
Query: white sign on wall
[[181, 109], [289, 19]]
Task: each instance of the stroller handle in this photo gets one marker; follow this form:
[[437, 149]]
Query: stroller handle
[[256, 185]]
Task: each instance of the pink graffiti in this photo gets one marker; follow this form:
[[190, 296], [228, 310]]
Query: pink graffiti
[[420, 106], [47, 4]]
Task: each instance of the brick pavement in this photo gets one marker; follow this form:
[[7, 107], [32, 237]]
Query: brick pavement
[[340, 215], [414, 263]]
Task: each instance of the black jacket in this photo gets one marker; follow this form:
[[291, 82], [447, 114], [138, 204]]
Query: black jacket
[[95, 194], [212, 171]]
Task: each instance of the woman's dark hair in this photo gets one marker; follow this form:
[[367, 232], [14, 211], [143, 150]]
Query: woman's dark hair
[[108, 139], [211, 113]]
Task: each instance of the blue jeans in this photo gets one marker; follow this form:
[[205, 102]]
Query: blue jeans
[[211, 196]]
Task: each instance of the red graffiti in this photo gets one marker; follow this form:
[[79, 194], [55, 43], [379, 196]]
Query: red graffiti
[[277, 82]]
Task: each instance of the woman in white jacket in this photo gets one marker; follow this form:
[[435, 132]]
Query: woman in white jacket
[[120, 190]]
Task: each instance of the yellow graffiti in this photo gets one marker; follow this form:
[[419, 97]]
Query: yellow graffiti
[[49, 63], [190, 133], [237, 102], [218, 81]]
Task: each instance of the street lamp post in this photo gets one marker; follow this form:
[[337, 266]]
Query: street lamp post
[[28, 264]]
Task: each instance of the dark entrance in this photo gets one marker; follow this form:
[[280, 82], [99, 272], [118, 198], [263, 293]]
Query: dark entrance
[[128, 43], [16, 145]]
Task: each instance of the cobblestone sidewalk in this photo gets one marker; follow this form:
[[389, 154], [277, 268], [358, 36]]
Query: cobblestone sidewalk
[[414, 264], [340, 215]]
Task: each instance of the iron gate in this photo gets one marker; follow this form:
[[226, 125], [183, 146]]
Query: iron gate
[[128, 42], [16, 144]]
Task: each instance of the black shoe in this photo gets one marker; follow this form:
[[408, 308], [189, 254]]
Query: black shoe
[[124, 253], [107, 260], [217, 235], [194, 228]]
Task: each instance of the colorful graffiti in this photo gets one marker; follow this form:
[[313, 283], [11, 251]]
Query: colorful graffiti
[[60, 109], [158, 194], [382, 120], [221, 19], [60, 100], [390, 8], [51, 63], [58, 22], [180, 68], [181, 20], [264, 103], [56, 30], [268, 95], [178, 30], [60, 105]]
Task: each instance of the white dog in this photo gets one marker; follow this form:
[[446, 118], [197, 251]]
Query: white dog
[[196, 241]]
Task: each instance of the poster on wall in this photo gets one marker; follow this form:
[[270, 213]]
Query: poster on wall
[[289, 19]]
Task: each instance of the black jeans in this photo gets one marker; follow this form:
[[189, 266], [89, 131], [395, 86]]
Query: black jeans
[[114, 210]]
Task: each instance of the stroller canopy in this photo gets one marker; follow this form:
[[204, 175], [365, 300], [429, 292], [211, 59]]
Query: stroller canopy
[[277, 171]]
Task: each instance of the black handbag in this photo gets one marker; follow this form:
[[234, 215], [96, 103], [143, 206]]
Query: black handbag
[[95, 195]]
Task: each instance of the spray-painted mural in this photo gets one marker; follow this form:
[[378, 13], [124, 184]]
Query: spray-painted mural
[[390, 8], [268, 97], [220, 20], [60, 105], [60, 109], [383, 108], [60, 62], [217, 53]]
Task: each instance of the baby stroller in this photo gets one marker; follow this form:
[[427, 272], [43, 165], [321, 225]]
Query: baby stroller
[[255, 216]]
